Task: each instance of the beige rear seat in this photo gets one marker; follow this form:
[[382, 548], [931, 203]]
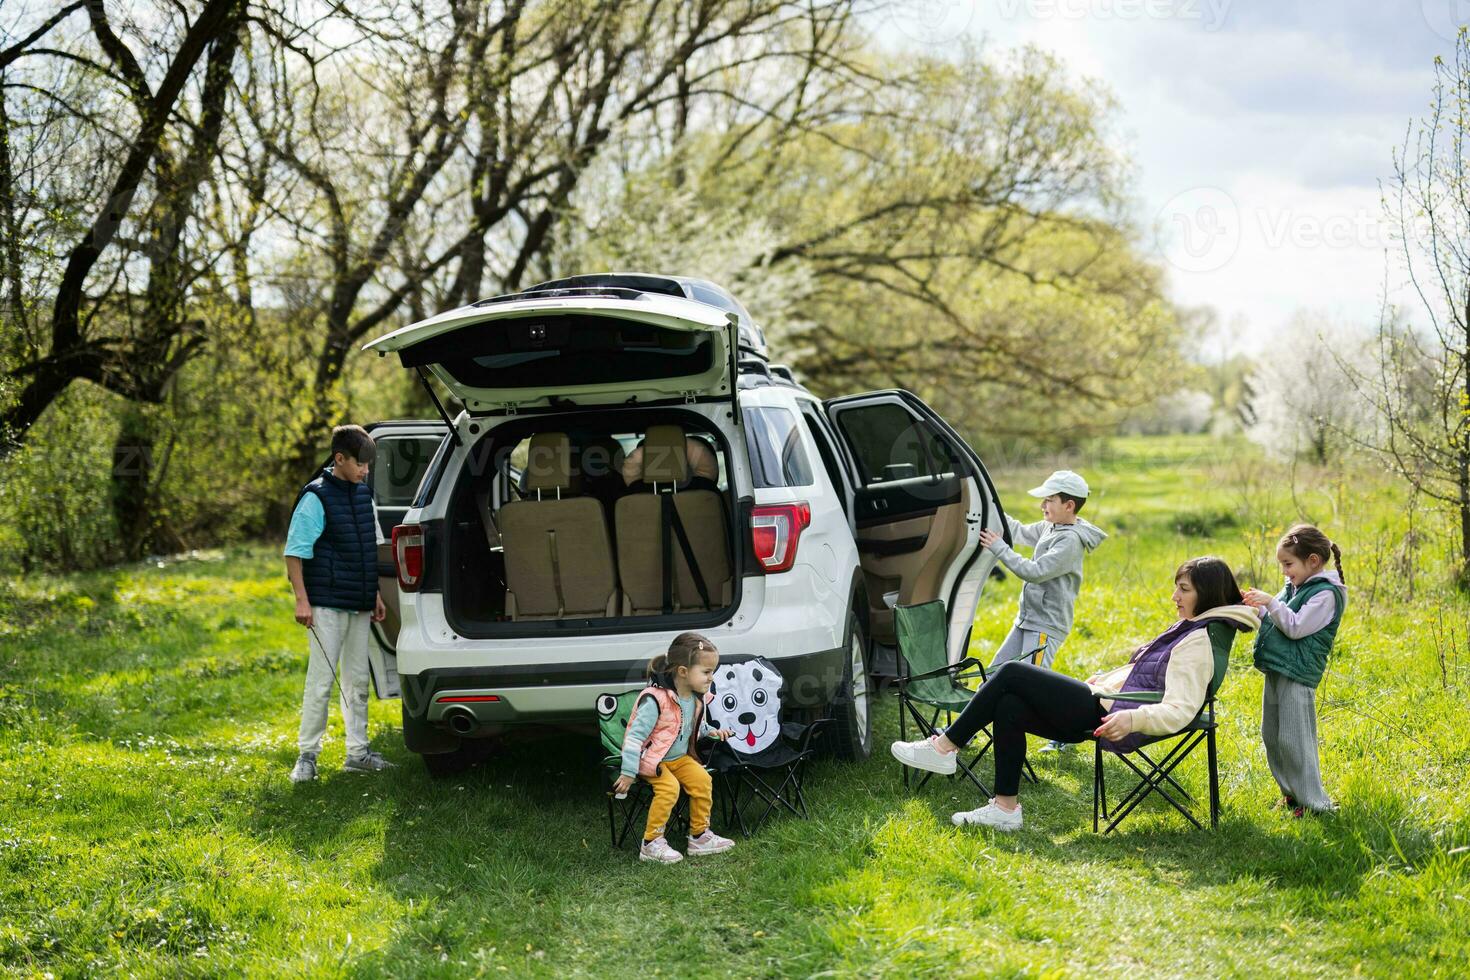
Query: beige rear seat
[[558, 553], [663, 464]]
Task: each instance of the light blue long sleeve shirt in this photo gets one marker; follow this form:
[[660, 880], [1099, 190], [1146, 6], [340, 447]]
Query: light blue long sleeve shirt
[[645, 717]]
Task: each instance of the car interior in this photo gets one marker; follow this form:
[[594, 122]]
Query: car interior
[[569, 523]]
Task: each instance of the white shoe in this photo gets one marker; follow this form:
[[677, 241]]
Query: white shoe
[[305, 768], [708, 842], [659, 850], [923, 755], [989, 815]]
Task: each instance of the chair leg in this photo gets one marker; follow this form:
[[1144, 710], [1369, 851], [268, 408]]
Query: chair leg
[[1214, 779], [1099, 787], [1153, 782], [903, 735]]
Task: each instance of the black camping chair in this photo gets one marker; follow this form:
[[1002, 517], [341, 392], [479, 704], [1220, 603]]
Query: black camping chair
[[1156, 775], [928, 682], [757, 775]]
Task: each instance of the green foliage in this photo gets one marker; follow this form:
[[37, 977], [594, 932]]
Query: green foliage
[[147, 721]]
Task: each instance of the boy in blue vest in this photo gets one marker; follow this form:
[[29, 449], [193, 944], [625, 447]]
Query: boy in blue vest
[[332, 561]]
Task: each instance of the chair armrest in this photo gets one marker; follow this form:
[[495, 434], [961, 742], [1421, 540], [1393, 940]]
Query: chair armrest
[[1137, 697], [939, 672]]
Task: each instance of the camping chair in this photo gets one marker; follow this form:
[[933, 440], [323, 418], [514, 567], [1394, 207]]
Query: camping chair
[[614, 712], [1155, 776], [757, 772], [927, 680]]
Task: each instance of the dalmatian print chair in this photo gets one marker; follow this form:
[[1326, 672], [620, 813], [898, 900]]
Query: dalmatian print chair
[[759, 770]]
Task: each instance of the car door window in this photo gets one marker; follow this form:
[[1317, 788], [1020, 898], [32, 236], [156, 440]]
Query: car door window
[[891, 444]]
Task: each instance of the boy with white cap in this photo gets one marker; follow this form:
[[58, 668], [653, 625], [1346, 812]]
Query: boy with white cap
[[1053, 573]]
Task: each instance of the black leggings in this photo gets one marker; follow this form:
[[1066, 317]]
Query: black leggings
[[1021, 698]]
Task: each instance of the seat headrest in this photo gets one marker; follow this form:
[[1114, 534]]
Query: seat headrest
[[549, 462], [664, 458]]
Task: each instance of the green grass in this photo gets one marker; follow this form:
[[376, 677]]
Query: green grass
[[147, 720]]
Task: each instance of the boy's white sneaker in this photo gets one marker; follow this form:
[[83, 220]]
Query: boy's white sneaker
[[989, 815], [367, 762], [708, 842], [305, 769], [659, 850], [923, 755]]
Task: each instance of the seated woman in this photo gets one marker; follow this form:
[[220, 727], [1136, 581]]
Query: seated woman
[[1021, 698], [704, 468]]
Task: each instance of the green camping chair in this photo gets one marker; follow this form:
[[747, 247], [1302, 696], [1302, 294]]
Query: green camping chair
[[614, 712], [1156, 776], [928, 684]]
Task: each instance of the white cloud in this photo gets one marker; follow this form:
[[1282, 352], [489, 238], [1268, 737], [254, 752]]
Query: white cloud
[[1292, 110]]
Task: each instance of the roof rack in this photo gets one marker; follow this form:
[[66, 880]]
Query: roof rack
[[612, 292]]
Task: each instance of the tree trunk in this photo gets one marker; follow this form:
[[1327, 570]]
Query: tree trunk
[[131, 491]]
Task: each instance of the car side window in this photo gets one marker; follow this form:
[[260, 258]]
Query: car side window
[[826, 452], [890, 444], [400, 466], [777, 456]]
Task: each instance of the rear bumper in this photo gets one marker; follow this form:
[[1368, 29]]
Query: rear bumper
[[565, 694]]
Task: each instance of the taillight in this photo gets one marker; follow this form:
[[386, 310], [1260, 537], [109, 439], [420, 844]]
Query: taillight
[[775, 531], [408, 555]]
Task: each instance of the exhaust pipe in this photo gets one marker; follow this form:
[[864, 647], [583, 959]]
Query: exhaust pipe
[[461, 721]]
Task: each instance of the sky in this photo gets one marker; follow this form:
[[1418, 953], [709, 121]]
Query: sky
[[1261, 131]]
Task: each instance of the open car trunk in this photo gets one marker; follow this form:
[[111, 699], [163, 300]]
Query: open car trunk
[[588, 557]]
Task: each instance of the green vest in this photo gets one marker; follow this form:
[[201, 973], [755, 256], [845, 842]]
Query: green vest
[[1301, 660]]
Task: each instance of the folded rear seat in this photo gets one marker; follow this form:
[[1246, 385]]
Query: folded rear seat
[[653, 562], [558, 553]]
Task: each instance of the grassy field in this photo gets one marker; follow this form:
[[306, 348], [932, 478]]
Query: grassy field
[[147, 720]]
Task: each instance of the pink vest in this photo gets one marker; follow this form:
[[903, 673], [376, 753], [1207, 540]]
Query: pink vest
[[666, 729]]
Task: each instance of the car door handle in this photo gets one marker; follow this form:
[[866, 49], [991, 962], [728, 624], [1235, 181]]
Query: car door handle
[[880, 504]]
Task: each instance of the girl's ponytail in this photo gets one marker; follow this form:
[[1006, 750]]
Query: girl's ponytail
[[1337, 560], [658, 665]]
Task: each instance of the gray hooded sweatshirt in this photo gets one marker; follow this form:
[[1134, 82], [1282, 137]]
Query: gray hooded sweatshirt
[[1053, 575]]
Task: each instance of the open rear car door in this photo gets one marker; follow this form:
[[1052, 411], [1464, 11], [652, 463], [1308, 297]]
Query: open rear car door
[[923, 498]]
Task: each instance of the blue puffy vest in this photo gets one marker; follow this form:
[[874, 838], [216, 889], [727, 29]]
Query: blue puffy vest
[[343, 570]]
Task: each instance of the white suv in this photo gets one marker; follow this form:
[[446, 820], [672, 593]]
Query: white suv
[[628, 466]]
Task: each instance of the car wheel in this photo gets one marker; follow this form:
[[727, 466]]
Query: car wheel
[[852, 716]]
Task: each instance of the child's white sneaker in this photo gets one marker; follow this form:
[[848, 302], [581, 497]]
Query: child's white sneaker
[[708, 842], [923, 755], [659, 850], [989, 815]]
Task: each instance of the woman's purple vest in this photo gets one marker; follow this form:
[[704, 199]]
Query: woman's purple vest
[[1150, 664]]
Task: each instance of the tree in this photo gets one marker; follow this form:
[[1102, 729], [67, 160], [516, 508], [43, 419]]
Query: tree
[[1305, 400], [1420, 382]]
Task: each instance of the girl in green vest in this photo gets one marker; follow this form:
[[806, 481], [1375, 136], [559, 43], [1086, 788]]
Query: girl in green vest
[[1297, 628]]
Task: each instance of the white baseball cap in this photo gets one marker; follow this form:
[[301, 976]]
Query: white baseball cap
[[1062, 481]]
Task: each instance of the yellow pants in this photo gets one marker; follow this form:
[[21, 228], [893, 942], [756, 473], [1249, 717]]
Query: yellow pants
[[684, 771]]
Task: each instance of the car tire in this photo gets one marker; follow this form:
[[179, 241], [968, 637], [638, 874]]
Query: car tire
[[851, 733]]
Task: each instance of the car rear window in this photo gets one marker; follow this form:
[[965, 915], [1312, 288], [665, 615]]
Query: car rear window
[[777, 456], [559, 351]]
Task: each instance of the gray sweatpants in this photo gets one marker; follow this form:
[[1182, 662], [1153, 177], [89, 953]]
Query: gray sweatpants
[[1020, 644], [1289, 729]]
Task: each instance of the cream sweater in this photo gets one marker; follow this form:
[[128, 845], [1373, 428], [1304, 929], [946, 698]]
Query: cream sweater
[[1186, 679]]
